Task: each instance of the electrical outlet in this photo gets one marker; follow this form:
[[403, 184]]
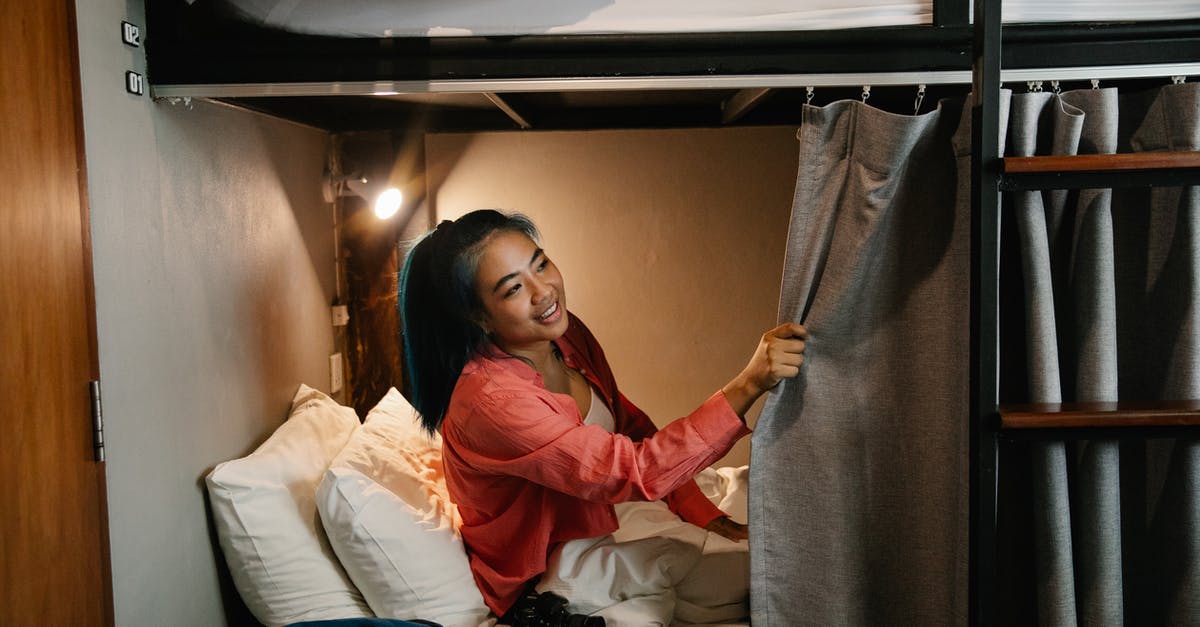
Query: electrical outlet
[[336, 378], [340, 315]]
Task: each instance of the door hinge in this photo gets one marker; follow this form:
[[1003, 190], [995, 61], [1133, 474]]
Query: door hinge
[[97, 422]]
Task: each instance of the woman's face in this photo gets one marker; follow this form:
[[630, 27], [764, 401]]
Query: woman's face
[[524, 303]]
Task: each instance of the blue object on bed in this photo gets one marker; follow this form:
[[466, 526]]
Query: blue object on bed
[[365, 622]]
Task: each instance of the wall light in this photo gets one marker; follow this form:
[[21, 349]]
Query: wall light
[[388, 203], [385, 200]]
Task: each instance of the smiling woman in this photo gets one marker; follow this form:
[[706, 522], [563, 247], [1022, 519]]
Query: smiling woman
[[538, 442]]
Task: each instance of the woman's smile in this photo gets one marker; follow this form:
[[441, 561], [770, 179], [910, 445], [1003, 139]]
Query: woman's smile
[[552, 314]]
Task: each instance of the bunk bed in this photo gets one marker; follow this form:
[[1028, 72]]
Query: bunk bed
[[720, 78], [653, 79]]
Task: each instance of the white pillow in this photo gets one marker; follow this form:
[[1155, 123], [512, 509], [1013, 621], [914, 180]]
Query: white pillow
[[266, 518], [389, 518]]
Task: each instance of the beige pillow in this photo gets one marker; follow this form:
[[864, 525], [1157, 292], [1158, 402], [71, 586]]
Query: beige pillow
[[266, 518], [389, 518]]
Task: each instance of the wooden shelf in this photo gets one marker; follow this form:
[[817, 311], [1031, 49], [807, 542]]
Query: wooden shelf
[[1103, 415], [1101, 163], [1140, 169]]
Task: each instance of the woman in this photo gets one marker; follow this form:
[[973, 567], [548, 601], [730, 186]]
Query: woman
[[498, 364]]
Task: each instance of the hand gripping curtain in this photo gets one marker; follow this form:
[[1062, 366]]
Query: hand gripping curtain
[[1111, 312], [858, 490]]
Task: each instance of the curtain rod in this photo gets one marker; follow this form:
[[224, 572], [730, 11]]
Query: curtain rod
[[747, 81]]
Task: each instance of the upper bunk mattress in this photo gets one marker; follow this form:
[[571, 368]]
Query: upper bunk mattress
[[449, 18]]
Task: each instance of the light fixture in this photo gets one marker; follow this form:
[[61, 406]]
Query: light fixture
[[385, 199], [388, 203]]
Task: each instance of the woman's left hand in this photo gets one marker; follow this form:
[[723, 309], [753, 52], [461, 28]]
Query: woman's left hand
[[725, 526]]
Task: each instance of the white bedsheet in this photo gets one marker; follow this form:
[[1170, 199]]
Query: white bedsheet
[[657, 570]]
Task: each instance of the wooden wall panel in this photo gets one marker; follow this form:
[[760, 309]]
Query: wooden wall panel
[[53, 557], [373, 335], [373, 250]]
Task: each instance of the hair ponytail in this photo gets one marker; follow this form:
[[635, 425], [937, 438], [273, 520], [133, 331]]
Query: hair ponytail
[[439, 306]]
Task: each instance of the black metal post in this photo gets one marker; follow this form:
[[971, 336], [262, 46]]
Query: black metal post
[[985, 319]]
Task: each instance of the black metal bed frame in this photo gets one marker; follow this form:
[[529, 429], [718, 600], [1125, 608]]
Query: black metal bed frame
[[990, 44], [187, 45]]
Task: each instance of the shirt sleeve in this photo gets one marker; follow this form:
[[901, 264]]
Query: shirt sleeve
[[531, 437], [688, 501]]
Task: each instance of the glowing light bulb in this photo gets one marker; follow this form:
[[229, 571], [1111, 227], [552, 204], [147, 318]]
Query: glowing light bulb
[[388, 203]]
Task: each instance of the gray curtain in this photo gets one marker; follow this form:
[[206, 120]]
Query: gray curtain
[[1111, 313], [858, 492]]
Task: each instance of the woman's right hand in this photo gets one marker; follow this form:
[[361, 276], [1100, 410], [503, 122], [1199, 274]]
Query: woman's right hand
[[778, 356]]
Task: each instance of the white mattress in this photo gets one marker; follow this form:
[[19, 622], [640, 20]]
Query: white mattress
[[437, 18], [434, 18], [1045, 11]]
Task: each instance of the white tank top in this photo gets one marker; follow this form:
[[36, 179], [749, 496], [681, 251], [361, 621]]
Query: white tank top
[[599, 414]]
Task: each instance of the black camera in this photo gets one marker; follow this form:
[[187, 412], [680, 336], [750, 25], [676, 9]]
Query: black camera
[[547, 610]]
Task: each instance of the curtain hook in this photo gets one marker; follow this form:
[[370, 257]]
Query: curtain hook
[[866, 93], [1034, 86], [808, 95], [1178, 80], [1095, 83], [920, 97], [1055, 87]]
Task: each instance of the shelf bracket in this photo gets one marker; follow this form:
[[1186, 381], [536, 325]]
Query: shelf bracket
[[739, 104], [508, 109]]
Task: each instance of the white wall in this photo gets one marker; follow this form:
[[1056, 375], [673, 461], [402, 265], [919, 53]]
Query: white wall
[[213, 257], [670, 241]]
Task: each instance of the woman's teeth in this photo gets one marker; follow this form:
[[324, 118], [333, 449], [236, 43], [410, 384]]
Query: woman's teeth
[[549, 312]]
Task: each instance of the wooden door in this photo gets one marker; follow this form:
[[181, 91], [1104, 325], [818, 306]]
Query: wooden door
[[53, 535]]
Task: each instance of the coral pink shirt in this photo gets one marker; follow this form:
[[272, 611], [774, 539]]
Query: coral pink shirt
[[527, 474]]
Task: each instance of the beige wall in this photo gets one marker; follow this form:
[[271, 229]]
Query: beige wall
[[670, 241], [214, 270]]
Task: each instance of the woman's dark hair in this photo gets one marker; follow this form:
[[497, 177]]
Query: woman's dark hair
[[440, 309]]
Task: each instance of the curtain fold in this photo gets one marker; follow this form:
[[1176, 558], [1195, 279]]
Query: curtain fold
[[857, 492], [1070, 296]]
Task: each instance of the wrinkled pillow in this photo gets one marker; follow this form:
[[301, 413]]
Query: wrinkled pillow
[[266, 518], [389, 518]]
